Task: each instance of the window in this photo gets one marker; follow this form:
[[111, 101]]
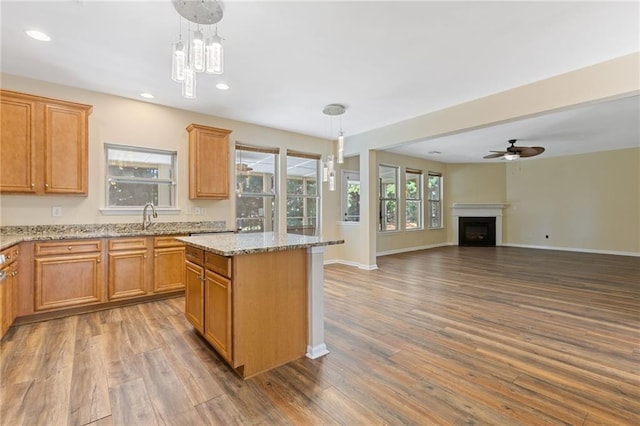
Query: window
[[136, 176], [413, 199], [388, 181], [302, 193], [351, 196], [256, 183], [435, 200]]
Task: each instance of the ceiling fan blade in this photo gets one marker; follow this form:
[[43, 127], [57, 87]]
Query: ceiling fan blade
[[530, 151], [496, 155]]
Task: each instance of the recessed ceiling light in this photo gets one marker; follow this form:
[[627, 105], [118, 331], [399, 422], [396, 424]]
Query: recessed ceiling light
[[222, 86], [146, 95], [38, 35]]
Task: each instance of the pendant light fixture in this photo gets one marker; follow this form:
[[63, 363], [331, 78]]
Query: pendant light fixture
[[333, 110], [214, 54], [198, 54]]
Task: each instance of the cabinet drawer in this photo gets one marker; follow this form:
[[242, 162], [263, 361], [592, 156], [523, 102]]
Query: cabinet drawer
[[218, 264], [127, 244], [9, 255], [166, 242], [194, 255], [71, 246]]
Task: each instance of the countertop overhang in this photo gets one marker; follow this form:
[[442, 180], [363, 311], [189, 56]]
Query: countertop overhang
[[238, 244], [11, 235]]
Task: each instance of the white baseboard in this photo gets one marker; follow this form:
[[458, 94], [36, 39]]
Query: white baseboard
[[582, 250], [349, 263], [407, 249]]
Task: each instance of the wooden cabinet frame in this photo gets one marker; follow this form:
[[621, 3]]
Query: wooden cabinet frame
[[44, 145], [208, 162]]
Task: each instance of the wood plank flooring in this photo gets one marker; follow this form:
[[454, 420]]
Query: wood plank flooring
[[455, 335]]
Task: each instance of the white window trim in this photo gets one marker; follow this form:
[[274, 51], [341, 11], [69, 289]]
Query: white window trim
[[132, 210]]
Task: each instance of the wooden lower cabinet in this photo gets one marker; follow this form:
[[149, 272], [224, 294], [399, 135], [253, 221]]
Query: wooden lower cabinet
[[168, 265], [127, 274], [218, 321], [255, 315], [67, 280], [8, 289], [127, 268], [194, 295], [86, 274]]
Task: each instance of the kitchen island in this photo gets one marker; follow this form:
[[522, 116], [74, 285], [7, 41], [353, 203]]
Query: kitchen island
[[257, 298]]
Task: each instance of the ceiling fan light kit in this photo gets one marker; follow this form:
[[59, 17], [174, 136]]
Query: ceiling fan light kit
[[515, 152], [198, 54]]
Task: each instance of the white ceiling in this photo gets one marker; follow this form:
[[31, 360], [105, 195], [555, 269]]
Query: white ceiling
[[387, 61]]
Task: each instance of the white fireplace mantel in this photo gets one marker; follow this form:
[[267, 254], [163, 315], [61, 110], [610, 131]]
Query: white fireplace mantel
[[477, 210]]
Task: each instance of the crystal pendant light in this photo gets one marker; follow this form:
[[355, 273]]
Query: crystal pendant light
[[178, 62], [331, 172], [214, 54], [189, 83], [341, 147], [197, 51], [193, 55]]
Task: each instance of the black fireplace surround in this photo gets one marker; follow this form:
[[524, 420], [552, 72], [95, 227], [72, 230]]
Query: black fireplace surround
[[477, 231]]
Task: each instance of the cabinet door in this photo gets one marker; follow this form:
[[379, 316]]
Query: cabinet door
[[168, 269], [127, 274], [217, 308], [208, 162], [7, 294], [65, 281], [65, 143], [17, 145], [194, 295]]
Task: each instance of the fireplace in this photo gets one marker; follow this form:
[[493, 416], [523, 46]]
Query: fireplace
[[484, 210], [477, 231]]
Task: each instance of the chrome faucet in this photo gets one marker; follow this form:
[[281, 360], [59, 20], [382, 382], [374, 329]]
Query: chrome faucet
[[146, 219]]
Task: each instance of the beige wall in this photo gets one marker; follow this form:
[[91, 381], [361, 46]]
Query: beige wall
[[583, 202], [131, 122], [473, 183]]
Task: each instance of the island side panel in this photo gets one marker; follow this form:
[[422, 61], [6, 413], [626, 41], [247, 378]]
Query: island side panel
[[270, 309]]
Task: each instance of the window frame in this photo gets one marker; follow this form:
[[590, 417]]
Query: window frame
[[432, 202], [347, 177], [418, 200], [384, 199], [172, 208], [272, 195], [305, 196]]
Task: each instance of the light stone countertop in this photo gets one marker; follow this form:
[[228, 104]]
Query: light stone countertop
[[11, 235], [238, 244]]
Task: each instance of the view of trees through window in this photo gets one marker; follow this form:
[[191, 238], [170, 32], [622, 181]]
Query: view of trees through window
[[413, 200], [137, 175], [255, 189], [302, 193], [351, 196], [388, 184], [434, 189]]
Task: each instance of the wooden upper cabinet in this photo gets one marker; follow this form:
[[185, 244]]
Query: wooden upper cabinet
[[208, 162], [43, 146], [17, 144]]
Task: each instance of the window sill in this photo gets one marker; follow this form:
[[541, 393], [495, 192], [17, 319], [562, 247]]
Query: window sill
[[348, 222], [126, 211], [435, 229]]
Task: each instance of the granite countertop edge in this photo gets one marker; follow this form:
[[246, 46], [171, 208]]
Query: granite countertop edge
[[252, 250], [12, 235], [239, 244]]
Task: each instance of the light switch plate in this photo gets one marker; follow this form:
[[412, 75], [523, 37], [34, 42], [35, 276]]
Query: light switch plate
[[56, 211]]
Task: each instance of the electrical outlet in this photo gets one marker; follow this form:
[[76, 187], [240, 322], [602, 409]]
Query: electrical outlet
[[196, 210], [56, 211]]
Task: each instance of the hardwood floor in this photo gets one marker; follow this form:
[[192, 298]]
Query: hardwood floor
[[455, 335]]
